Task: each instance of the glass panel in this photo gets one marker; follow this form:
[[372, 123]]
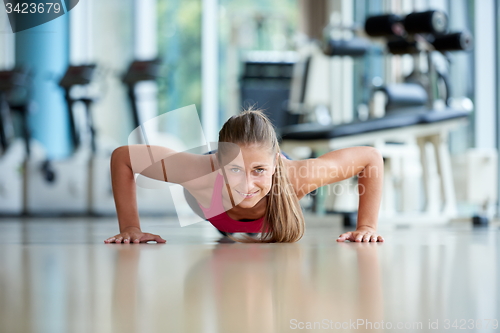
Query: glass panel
[[179, 41], [250, 25]]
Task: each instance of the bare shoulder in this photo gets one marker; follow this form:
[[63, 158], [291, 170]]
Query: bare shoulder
[[193, 171], [298, 173], [197, 171]]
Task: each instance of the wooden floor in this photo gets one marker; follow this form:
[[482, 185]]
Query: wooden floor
[[57, 275]]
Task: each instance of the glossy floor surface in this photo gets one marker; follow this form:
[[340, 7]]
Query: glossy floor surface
[[57, 275]]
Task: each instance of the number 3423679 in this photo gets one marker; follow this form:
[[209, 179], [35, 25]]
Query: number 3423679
[[32, 8]]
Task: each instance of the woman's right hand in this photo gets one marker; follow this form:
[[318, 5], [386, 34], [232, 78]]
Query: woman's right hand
[[134, 235]]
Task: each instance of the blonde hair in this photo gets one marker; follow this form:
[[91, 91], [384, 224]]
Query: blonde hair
[[283, 219]]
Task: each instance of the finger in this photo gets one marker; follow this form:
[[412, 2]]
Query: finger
[[350, 237], [136, 240], [109, 240], [374, 238], [158, 239], [345, 236], [151, 237], [147, 238], [380, 238], [126, 240], [358, 238], [366, 238], [118, 239]]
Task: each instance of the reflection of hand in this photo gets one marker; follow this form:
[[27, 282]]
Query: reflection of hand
[[134, 235], [361, 234]]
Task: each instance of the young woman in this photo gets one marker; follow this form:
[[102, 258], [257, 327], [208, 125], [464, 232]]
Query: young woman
[[248, 185]]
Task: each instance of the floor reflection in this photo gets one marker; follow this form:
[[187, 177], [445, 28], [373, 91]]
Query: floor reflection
[[196, 284], [262, 288]]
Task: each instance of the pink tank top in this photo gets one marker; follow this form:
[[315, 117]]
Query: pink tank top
[[216, 214]]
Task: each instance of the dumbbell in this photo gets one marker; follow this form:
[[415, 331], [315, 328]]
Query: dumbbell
[[428, 22], [384, 25], [458, 41]]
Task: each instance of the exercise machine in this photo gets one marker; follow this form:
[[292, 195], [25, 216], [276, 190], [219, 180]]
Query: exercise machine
[[424, 36], [14, 139], [413, 118], [62, 186], [153, 197], [100, 196]]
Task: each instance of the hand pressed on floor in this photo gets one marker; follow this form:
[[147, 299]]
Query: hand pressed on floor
[[134, 235], [361, 234]]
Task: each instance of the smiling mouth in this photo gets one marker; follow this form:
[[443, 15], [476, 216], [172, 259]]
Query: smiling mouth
[[247, 195]]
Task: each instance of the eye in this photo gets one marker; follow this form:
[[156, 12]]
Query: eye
[[260, 170], [234, 170]]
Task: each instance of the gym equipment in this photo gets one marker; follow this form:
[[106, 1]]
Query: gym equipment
[[354, 47], [139, 71], [312, 86], [384, 25], [423, 127], [413, 113], [387, 25], [430, 22], [63, 186], [100, 195], [476, 182], [399, 97], [40, 185], [153, 198], [14, 98], [265, 83], [458, 41], [421, 33]]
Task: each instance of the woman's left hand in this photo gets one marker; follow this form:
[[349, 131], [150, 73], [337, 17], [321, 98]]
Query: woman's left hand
[[362, 234]]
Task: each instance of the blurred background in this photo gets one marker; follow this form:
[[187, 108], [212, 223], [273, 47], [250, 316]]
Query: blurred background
[[417, 79]]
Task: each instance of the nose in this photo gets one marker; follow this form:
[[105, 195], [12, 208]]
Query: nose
[[249, 183]]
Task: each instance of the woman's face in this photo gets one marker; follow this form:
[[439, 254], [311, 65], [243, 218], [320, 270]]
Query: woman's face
[[250, 175]]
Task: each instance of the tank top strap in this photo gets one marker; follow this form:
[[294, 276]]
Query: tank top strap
[[216, 207]]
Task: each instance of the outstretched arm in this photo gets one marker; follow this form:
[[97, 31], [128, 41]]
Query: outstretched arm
[[367, 164], [154, 162], [370, 183], [124, 193]]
